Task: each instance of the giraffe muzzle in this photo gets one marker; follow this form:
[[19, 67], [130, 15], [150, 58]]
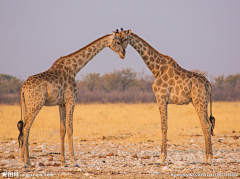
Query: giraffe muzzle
[[122, 55]]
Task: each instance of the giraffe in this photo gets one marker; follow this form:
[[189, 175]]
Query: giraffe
[[174, 85], [57, 86]]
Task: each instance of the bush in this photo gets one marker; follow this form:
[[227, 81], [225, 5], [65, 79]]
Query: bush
[[121, 86]]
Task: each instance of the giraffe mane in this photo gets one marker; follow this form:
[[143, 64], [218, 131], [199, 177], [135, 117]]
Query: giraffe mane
[[177, 65], [83, 48], [160, 54], [86, 46]]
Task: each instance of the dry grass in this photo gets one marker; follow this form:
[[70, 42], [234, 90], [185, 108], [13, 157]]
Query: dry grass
[[121, 122]]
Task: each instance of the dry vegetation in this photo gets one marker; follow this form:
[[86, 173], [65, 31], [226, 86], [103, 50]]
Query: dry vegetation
[[122, 86], [121, 122], [123, 141]]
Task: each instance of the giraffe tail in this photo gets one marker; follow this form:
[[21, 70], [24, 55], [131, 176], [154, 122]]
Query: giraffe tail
[[20, 123], [211, 118]]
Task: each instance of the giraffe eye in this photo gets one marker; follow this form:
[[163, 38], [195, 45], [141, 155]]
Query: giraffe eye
[[118, 43], [125, 39]]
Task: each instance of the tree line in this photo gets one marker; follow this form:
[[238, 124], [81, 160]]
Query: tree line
[[124, 85]]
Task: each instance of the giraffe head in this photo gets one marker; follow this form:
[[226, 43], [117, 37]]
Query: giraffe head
[[124, 37], [116, 44]]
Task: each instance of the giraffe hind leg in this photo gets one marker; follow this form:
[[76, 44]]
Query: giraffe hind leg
[[69, 120], [62, 111], [28, 120], [201, 108]]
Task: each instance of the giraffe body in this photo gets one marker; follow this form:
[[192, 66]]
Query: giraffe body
[[175, 85], [57, 86]]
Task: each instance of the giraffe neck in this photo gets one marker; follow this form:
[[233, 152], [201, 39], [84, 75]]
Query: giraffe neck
[[74, 62], [155, 61]]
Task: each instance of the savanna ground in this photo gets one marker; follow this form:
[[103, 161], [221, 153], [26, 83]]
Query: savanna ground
[[124, 141]]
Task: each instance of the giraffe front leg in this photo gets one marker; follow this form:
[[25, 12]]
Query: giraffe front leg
[[164, 127], [69, 117], [62, 111]]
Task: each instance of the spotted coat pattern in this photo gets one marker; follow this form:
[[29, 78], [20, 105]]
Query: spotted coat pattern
[[57, 86], [174, 85]]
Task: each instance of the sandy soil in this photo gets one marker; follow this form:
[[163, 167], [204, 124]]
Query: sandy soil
[[112, 158]]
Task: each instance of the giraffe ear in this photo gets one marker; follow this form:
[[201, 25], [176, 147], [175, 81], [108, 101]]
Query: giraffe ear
[[129, 32], [113, 32]]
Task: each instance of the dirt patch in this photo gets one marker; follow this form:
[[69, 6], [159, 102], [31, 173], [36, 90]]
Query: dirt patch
[[117, 159]]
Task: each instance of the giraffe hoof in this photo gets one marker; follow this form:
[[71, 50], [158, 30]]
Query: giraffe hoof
[[208, 161], [160, 162], [24, 166], [29, 164], [207, 164], [64, 165], [162, 158], [76, 165]]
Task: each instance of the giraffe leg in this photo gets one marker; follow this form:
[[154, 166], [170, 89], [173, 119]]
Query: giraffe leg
[[69, 120], [163, 112], [24, 153], [27, 159], [29, 116], [62, 111], [21, 158], [201, 108]]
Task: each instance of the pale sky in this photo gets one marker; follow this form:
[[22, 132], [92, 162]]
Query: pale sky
[[197, 34]]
